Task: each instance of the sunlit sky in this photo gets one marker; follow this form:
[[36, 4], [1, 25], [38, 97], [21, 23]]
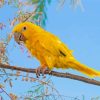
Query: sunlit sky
[[78, 29]]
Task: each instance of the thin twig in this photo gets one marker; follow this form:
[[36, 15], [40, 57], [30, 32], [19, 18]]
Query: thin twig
[[54, 73], [32, 14], [5, 93]]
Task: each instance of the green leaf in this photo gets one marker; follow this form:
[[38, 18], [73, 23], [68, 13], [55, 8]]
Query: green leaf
[[36, 16], [34, 1], [43, 22], [49, 1], [30, 91], [45, 15]]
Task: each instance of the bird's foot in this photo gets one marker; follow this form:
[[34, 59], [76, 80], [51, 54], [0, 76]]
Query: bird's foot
[[42, 70]]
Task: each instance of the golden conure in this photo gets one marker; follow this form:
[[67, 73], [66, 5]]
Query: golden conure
[[48, 49]]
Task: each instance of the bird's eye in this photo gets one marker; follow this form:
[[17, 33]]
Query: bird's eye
[[24, 28]]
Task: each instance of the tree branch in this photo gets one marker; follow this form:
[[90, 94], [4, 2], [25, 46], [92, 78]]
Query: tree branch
[[54, 73]]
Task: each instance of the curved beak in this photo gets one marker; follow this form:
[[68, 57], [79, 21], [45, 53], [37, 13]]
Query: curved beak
[[19, 38]]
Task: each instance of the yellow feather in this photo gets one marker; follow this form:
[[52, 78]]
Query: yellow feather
[[49, 50]]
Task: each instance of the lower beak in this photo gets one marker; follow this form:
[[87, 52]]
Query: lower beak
[[19, 38]]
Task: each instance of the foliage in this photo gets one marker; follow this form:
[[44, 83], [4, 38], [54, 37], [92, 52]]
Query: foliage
[[44, 89]]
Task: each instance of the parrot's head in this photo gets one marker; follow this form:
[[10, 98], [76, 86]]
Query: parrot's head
[[23, 31]]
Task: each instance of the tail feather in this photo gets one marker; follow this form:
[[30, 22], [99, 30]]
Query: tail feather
[[74, 64]]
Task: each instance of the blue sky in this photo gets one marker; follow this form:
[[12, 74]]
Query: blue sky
[[79, 30]]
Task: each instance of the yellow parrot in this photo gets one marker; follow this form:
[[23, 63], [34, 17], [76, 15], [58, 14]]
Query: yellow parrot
[[48, 49]]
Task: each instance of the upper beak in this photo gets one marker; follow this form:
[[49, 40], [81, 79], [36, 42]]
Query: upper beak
[[19, 38]]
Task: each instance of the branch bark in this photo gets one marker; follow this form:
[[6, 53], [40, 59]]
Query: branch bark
[[54, 73]]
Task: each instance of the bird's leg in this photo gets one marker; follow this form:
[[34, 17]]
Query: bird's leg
[[38, 71], [41, 69]]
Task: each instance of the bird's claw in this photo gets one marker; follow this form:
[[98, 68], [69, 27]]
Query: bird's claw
[[40, 70]]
